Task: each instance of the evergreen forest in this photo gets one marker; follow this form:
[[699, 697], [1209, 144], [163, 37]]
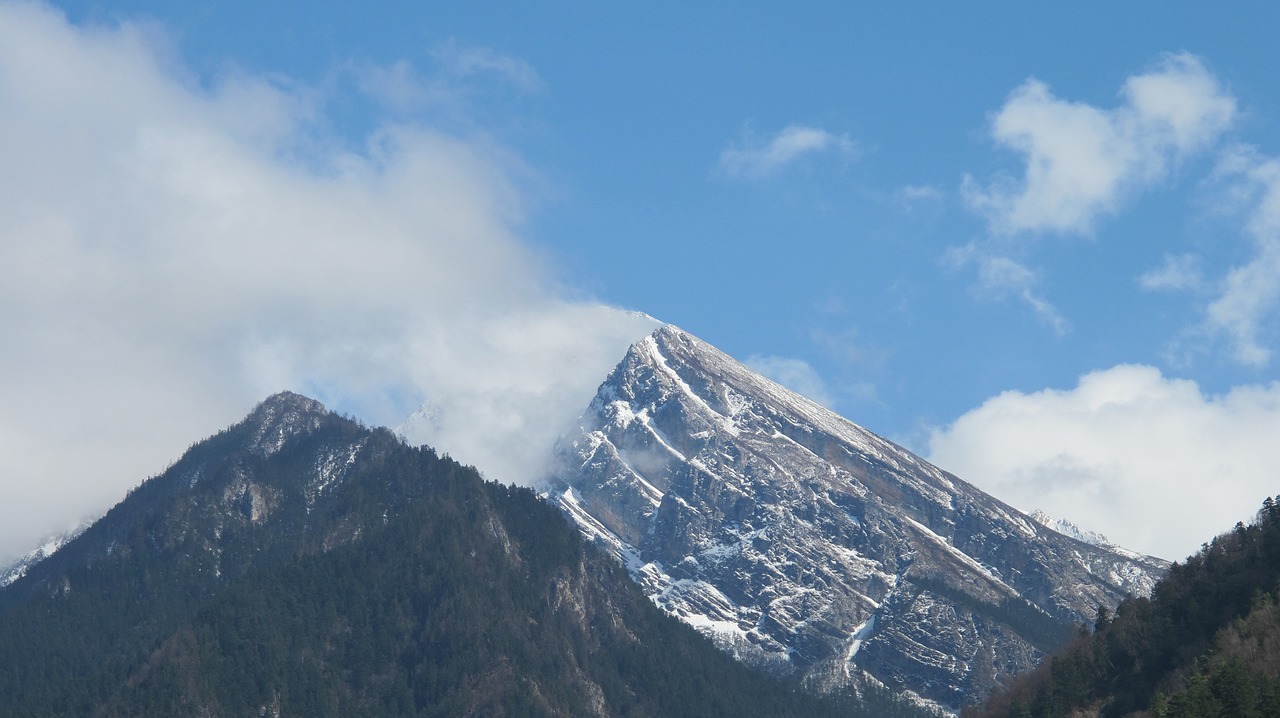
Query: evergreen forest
[[1205, 645], [237, 583]]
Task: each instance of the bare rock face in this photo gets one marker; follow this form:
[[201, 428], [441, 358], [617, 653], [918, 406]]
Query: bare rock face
[[805, 544]]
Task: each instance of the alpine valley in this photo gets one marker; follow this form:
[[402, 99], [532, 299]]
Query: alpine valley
[[300, 563]]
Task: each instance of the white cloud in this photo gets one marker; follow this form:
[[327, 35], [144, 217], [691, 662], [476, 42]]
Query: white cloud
[[1000, 277], [169, 261], [457, 74], [1248, 298], [1245, 305], [1148, 460], [910, 194], [1081, 160], [753, 159], [795, 374], [397, 86], [1175, 273], [465, 62]]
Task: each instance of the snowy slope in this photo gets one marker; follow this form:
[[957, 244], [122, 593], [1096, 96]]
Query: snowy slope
[[806, 544], [46, 549]]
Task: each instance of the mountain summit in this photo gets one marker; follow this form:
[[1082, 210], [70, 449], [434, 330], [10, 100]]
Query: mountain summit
[[807, 545]]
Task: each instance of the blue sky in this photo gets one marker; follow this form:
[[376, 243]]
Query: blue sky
[[1040, 246]]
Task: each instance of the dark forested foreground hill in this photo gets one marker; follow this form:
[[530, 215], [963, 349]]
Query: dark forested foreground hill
[[299, 564], [1207, 643]]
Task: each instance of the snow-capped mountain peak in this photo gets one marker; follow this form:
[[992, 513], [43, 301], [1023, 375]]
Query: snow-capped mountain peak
[[806, 544], [1066, 528], [47, 548]]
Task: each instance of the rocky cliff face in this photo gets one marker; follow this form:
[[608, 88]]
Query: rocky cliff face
[[803, 543]]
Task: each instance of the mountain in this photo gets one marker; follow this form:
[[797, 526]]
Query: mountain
[[1066, 528], [805, 545], [1206, 643], [298, 563], [47, 548]]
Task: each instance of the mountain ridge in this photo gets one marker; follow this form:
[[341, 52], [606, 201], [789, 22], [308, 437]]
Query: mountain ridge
[[299, 563], [805, 544]]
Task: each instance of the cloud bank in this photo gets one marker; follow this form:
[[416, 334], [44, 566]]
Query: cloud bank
[[1081, 160], [1150, 461], [177, 250]]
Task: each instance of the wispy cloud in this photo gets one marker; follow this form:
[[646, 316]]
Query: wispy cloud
[[405, 88], [795, 374], [463, 61], [1246, 305], [1000, 277], [911, 194], [167, 264], [1149, 460], [398, 86], [1176, 273], [1081, 161], [751, 159]]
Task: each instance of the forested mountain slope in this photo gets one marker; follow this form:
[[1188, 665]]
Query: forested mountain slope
[[1206, 644], [299, 564]]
